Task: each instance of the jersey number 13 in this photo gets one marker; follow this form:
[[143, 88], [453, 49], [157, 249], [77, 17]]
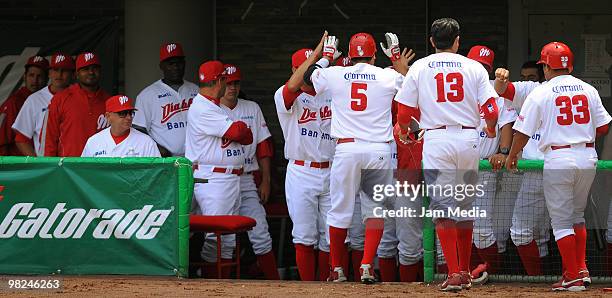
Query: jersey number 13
[[455, 80]]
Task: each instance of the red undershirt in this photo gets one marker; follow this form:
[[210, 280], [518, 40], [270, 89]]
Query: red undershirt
[[119, 139]]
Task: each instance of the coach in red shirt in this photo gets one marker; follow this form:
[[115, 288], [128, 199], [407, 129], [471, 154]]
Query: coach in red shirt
[[77, 113]]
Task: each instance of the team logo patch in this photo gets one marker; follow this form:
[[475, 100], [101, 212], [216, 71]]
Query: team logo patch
[[38, 59], [230, 70], [201, 77], [171, 47], [360, 51], [308, 53], [59, 58], [89, 56], [564, 61], [484, 52], [123, 100]]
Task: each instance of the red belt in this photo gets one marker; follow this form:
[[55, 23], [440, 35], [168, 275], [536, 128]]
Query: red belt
[[313, 164], [346, 140], [588, 145], [224, 170], [444, 127]]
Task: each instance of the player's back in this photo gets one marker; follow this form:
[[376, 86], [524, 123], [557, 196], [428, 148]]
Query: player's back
[[450, 90], [361, 101], [571, 110]]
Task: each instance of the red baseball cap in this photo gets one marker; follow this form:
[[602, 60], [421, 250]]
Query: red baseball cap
[[38, 61], [86, 59], [233, 73], [300, 56], [169, 50], [61, 61], [119, 103], [344, 62], [211, 70], [482, 54]]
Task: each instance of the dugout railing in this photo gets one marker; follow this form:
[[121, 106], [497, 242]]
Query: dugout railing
[[596, 215]]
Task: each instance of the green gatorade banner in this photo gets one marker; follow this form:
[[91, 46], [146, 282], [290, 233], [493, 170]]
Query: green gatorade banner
[[95, 215]]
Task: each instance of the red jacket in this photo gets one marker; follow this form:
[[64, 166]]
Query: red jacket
[[8, 113], [74, 115]]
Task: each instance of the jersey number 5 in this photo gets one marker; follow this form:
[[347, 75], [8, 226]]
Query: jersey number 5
[[359, 100], [565, 105], [456, 86]]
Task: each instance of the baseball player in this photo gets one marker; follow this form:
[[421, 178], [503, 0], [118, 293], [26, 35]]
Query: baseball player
[[213, 142], [530, 224], [305, 118], [256, 154], [532, 71], [162, 106], [28, 126], [570, 114], [491, 232], [451, 91], [120, 139], [35, 78], [76, 113], [361, 101]]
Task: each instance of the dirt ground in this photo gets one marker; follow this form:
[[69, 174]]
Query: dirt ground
[[113, 286]]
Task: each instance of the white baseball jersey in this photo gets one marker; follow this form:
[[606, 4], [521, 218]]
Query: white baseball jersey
[[163, 112], [249, 112], [488, 146], [361, 100], [521, 91], [204, 143], [306, 126], [137, 144], [448, 88], [566, 109], [31, 117]]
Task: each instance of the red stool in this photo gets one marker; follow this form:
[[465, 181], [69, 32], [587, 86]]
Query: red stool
[[223, 225]]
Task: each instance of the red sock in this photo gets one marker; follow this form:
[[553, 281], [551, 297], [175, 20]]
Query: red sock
[[373, 233], [388, 269], [567, 249], [411, 273], [440, 268], [267, 263], [530, 256], [323, 265], [475, 259], [356, 257], [447, 235], [337, 250], [581, 239], [490, 255], [305, 260], [609, 259], [464, 244]]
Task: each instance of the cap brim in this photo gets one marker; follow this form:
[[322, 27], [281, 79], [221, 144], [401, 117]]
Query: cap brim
[[117, 111]]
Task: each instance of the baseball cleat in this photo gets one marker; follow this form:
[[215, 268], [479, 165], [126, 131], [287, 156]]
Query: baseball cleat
[[452, 283], [480, 276], [565, 284], [586, 277], [466, 280], [367, 274], [337, 275]]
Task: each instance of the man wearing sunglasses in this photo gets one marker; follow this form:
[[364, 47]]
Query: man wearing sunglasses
[[120, 139]]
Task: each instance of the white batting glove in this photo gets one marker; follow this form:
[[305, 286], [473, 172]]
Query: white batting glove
[[330, 48], [392, 50]]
